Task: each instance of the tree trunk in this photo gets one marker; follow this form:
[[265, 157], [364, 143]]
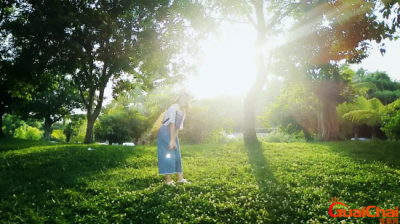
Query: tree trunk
[[356, 133], [249, 132], [47, 128], [68, 132], [329, 121], [1, 125], [67, 138], [319, 122], [307, 134], [373, 133], [93, 115], [89, 128], [334, 122]]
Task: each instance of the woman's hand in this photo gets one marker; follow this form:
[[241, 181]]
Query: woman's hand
[[172, 145]]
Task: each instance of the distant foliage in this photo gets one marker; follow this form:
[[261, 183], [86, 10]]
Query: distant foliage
[[11, 123], [384, 88], [205, 125], [58, 135], [283, 137], [121, 123], [112, 128], [78, 128], [294, 111], [78, 135]]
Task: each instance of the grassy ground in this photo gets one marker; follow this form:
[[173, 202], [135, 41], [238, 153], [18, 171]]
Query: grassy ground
[[272, 183]]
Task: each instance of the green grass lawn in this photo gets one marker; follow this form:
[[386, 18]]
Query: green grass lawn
[[272, 183]]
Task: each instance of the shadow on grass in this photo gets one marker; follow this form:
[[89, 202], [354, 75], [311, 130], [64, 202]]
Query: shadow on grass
[[373, 175], [61, 167], [370, 151], [262, 171], [357, 183], [273, 192], [8, 144]]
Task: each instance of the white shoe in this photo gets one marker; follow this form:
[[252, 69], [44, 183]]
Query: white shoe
[[183, 181], [171, 183]]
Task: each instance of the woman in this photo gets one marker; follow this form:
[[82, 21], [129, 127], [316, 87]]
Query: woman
[[169, 155]]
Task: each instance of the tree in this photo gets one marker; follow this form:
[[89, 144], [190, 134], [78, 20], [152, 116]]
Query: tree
[[100, 41], [324, 37], [19, 68], [5, 85], [52, 101], [341, 38], [264, 16], [13, 90]]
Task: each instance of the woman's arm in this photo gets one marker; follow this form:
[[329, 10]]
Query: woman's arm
[[177, 132], [172, 144], [172, 132]]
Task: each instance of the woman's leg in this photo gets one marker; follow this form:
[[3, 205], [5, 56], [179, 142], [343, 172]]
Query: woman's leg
[[179, 176], [168, 178]]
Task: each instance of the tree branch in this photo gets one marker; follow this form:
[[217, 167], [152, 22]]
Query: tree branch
[[92, 92], [97, 110], [81, 93], [251, 20], [231, 20], [278, 17], [104, 78], [55, 120], [4, 5], [259, 9], [2, 13]]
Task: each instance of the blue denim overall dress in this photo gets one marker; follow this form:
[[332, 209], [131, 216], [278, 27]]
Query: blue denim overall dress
[[169, 161]]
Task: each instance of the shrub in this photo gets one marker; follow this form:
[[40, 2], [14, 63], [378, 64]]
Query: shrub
[[28, 132], [58, 135], [391, 127], [20, 132], [33, 133]]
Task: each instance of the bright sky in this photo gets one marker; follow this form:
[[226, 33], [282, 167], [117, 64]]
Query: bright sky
[[387, 62], [228, 66]]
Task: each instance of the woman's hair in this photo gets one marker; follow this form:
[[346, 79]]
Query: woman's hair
[[183, 95]]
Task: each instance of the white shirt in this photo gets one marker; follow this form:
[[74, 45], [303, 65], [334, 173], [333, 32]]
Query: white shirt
[[171, 114]]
